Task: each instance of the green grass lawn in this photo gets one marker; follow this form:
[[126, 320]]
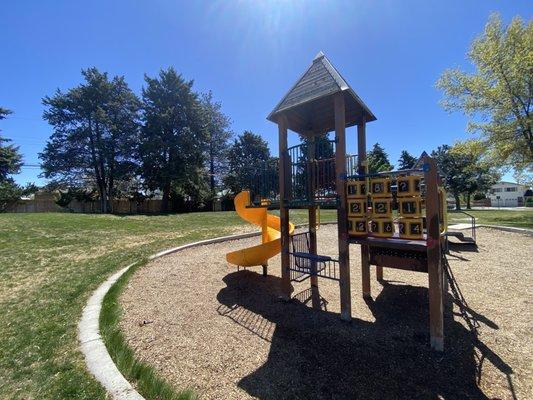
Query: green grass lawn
[[50, 264], [521, 219]]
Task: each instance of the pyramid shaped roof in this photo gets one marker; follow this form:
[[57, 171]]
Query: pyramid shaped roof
[[309, 106]]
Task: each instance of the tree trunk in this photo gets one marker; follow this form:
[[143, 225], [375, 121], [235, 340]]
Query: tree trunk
[[468, 207], [166, 197], [457, 201], [103, 201], [98, 149], [212, 176], [97, 172], [111, 184]]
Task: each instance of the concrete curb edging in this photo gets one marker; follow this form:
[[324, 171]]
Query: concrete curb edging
[[98, 361], [509, 229], [499, 227]]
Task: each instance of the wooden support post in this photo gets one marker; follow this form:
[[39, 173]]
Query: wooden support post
[[264, 239], [342, 214], [286, 287], [315, 295], [379, 273], [361, 160], [445, 285], [436, 317]]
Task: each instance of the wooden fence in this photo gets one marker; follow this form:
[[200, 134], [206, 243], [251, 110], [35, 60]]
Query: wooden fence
[[120, 206]]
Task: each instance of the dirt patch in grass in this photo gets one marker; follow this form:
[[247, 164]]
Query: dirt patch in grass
[[52, 259], [204, 325]]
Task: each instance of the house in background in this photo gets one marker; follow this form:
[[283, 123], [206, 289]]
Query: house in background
[[507, 194]]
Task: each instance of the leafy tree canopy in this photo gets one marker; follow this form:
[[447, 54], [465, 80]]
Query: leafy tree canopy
[[524, 177], [248, 154], [378, 160], [10, 157], [323, 147], [218, 132], [10, 163], [498, 95], [95, 128], [466, 169], [406, 160], [173, 139]]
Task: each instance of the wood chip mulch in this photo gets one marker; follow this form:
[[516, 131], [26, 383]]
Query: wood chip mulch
[[204, 325]]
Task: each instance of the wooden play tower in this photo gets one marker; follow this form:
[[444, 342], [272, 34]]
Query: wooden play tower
[[320, 102]]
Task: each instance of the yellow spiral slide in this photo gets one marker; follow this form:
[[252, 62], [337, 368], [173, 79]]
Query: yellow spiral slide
[[270, 227]]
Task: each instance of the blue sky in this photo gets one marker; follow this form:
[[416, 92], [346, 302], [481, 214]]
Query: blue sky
[[248, 53]]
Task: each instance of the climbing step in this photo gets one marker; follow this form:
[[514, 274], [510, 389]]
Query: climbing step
[[461, 236]]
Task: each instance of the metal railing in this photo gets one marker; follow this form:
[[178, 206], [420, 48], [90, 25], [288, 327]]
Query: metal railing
[[303, 264], [472, 223]]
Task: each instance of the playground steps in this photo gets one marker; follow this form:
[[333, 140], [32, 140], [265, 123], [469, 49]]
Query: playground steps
[[456, 230], [461, 236]]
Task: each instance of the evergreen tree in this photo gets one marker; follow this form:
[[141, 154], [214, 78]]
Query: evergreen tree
[[323, 150], [95, 130], [10, 157], [406, 160], [323, 147], [378, 160], [173, 139], [10, 163], [217, 126], [246, 157]]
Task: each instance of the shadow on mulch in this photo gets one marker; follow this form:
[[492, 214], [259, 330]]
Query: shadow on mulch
[[315, 355]]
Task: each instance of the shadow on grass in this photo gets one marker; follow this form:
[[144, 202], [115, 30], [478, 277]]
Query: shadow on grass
[[314, 355]]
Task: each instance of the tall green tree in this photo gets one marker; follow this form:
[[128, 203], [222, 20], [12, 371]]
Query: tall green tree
[[406, 160], [378, 160], [466, 169], [452, 166], [217, 126], [498, 95], [248, 154], [10, 163], [95, 132], [173, 138], [323, 150], [479, 173], [10, 157], [323, 147]]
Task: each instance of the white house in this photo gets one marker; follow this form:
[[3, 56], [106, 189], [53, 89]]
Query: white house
[[506, 194]]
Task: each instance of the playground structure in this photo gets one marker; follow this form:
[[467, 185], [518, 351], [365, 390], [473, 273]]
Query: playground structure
[[398, 217], [270, 234]]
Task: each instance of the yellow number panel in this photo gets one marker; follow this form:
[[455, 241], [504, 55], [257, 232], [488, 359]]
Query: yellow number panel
[[380, 187], [382, 227], [356, 208], [356, 189], [410, 206], [382, 207], [408, 186], [411, 228], [357, 227]]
